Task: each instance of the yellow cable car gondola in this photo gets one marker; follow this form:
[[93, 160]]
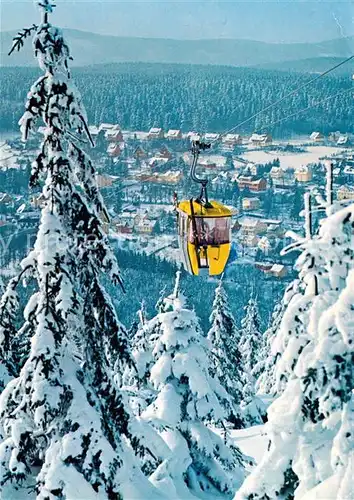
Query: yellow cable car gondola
[[204, 228]]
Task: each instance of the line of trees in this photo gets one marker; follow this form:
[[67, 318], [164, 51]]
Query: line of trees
[[139, 96]]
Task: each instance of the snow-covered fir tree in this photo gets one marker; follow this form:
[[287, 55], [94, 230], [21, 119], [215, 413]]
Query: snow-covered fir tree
[[254, 410], [311, 424], [62, 418], [187, 403], [226, 361], [265, 368], [251, 335]]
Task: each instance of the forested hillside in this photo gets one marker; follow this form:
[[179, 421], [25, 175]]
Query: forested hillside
[[138, 96]]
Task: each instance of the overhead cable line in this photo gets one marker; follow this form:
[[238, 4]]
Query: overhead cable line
[[289, 94], [305, 109]]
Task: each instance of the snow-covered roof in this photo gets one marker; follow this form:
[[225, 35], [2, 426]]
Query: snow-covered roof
[[112, 147], [316, 135], [93, 129], [106, 126], [173, 133], [112, 133], [342, 139], [277, 268], [348, 169], [259, 137], [211, 136], [304, 169], [250, 221], [231, 137]]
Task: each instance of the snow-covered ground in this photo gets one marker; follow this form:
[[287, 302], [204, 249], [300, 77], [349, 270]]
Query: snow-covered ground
[[313, 154], [251, 441], [8, 157]]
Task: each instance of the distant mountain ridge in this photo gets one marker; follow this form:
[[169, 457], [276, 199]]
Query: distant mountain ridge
[[90, 48]]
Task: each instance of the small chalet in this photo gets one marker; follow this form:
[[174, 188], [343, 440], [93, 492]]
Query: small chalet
[[139, 153], [5, 199], [38, 201], [145, 226], [124, 227], [277, 174], [94, 131], [345, 193], [253, 183], [114, 135], [316, 137], [211, 137], [155, 133], [251, 203], [265, 245], [232, 140], [165, 153], [253, 226], [193, 136], [106, 126], [260, 139], [174, 134], [277, 270], [343, 140], [303, 173], [249, 240]]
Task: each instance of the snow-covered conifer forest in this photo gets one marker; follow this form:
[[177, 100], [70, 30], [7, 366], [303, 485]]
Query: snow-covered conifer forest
[[205, 389]]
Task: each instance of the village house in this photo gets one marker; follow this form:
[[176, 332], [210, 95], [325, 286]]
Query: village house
[[260, 139], [165, 153], [114, 135], [5, 199], [124, 227], [316, 137], [345, 193], [265, 245], [169, 177], [303, 173], [37, 201], [139, 153], [343, 140], [278, 271], [254, 184], [277, 174], [211, 137], [174, 134], [230, 141], [193, 136], [274, 229], [251, 203], [145, 226], [252, 226], [155, 133], [113, 150], [94, 131], [248, 240], [106, 126]]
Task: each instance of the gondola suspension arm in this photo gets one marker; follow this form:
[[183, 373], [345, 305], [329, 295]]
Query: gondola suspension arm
[[198, 146]]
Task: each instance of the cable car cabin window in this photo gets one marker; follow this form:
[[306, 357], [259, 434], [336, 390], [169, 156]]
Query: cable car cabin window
[[211, 230]]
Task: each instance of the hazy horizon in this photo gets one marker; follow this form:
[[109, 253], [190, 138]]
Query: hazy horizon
[[298, 21]]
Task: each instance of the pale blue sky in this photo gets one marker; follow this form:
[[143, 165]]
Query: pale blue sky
[[271, 21]]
